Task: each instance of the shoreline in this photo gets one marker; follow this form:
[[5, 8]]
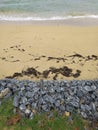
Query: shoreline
[[66, 22]]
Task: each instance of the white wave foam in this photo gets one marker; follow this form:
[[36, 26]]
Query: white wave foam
[[15, 18]]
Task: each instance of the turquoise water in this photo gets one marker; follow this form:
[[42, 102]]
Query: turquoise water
[[47, 9]]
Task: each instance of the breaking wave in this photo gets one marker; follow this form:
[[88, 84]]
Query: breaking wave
[[31, 18]]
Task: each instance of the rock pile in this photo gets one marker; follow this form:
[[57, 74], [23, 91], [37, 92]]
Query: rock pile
[[30, 97]]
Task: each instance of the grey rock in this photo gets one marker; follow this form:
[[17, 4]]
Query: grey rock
[[22, 88], [16, 101], [29, 94], [96, 116], [84, 115], [31, 116], [75, 104], [93, 87], [23, 100], [89, 88], [8, 95], [44, 107], [87, 108], [34, 105], [4, 92], [62, 108], [22, 107], [57, 103], [82, 107], [69, 108], [93, 108]]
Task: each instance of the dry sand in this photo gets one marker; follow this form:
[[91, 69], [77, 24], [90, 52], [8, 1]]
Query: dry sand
[[43, 46]]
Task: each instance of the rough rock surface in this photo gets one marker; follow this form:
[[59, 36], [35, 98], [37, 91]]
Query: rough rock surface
[[30, 97]]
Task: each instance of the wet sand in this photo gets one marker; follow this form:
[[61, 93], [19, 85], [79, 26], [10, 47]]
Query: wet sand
[[30, 51]]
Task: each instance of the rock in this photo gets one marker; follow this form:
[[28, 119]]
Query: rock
[[69, 108], [93, 87], [29, 94], [22, 88], [23, 100], [82, 107], [16, 101], [84, 115], [34, 105], [31, 115], [67, 114], [90, 88], [4, 92], [22, 107], [27, 113], [96, 116], [93, 108], [75, 104], [62, 108], [57, 103], [44, 107]]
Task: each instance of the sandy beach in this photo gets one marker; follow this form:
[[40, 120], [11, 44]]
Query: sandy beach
[[29, 51]]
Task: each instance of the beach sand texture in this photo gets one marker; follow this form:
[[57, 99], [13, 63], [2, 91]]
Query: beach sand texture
[[51, 52]]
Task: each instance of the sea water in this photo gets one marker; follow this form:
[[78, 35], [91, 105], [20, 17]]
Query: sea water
[[26, 10]]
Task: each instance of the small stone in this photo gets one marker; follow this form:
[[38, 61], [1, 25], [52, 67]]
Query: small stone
[[34, 111], [93, 108], [82, 107], [31, 116], [67, 114], [57, 103], [29, 94], [24, 100], [62, 108], [27, 112], [69, 107], [84, 115], [45, 108], [96, 116], [75, 104], [4, 92], [22, 107], [34, 105], [90, 88], [16, 101], [22, 88], [15, 110], [93, 87]]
